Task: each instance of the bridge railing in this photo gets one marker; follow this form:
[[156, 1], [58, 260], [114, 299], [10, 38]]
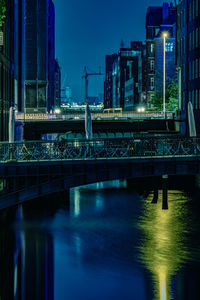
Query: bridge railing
[[95, 116], [99, 149]]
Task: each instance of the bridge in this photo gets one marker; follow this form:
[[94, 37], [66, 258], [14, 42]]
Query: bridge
[[104, 125], [32, 169]]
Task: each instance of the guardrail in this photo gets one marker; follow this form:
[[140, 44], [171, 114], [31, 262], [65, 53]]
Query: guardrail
[[95, 116], [99, 149]]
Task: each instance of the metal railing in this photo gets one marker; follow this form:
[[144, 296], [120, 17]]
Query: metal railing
[[95, 116], [99, 149]]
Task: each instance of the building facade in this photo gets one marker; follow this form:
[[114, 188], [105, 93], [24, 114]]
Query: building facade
[[158, 20], [19, 54], [57, 84], [108, 84], [7, 70], [188, 57], [51, 97], [127, 77], [39, 56]]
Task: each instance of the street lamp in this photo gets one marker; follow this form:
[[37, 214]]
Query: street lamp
[[165, 35]]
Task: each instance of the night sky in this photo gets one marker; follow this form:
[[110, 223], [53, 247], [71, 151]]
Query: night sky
[[87, 30]]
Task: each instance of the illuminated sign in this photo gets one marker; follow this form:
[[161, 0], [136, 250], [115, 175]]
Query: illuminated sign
[[1, 38]]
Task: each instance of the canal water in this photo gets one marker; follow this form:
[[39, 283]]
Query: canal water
[[108, 243]]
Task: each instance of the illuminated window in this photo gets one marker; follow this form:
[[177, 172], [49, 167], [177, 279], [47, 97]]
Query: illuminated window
[[152, 48], [169, 47], [152, 83], [152, 64]]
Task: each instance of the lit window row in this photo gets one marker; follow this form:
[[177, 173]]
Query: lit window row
[[194, 69], [194, 97], [193, 9]]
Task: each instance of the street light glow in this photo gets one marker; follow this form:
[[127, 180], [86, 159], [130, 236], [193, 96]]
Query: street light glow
[[57, 111], [141, 109], [165, 35]]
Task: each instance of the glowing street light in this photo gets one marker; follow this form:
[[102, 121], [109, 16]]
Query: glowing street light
[[141, 109], [57, 111], [165, 36]]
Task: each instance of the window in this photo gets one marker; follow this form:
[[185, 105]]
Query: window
[[152, 83], [152, 65], [169, 47], [152, 48]]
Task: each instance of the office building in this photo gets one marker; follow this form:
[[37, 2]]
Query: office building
[[188, 57], [6, 69], [57, 84], [127, 77], [158, 20], [108, 84], [39, 56]]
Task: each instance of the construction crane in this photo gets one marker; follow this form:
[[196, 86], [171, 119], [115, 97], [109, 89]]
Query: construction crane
[[86, 75]]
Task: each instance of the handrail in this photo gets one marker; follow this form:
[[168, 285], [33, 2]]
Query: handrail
[[99, 149]]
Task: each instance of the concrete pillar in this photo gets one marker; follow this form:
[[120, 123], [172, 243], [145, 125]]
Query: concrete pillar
[[155, 195], [165, 192]]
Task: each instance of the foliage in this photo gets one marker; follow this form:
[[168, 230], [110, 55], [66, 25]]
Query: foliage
[[171, 97], [2, 11]]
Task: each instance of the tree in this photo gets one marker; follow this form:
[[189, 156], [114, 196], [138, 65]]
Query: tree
[[171, 97], [2, 11], [157, 101]]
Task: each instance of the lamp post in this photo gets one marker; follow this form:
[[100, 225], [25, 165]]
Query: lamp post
[[165, 35]]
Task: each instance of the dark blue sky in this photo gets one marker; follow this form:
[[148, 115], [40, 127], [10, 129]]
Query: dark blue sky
[[87, 30]]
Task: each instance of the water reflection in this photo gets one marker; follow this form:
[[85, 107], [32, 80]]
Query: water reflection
[[90, 250], [163, 248], [26, 260]]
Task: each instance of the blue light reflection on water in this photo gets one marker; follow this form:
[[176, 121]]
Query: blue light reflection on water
[[91, 259], [109, 244]]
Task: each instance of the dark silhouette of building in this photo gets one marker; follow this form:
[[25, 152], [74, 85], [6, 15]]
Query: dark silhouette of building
[[39, 56], [159, 19], [127, 75], [188, 57], [108, 84], [7, 70], [19, 54], [51, 57], [57, 84]]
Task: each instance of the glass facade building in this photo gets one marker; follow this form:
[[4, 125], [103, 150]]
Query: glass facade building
[[39, 56], [7, 70]]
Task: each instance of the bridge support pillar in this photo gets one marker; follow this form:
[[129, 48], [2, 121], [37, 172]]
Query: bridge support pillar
[[165, 192], [155, 195]]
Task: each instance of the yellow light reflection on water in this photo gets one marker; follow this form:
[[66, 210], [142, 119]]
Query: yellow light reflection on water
[[163, 248]]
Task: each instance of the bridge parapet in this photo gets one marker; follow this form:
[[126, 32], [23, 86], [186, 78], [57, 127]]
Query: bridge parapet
[[99, 149]]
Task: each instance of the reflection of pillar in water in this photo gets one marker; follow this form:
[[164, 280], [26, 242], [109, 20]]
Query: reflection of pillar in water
[[7, 244], [38, 270], [33, 271], [76, 205], [163, 249]]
